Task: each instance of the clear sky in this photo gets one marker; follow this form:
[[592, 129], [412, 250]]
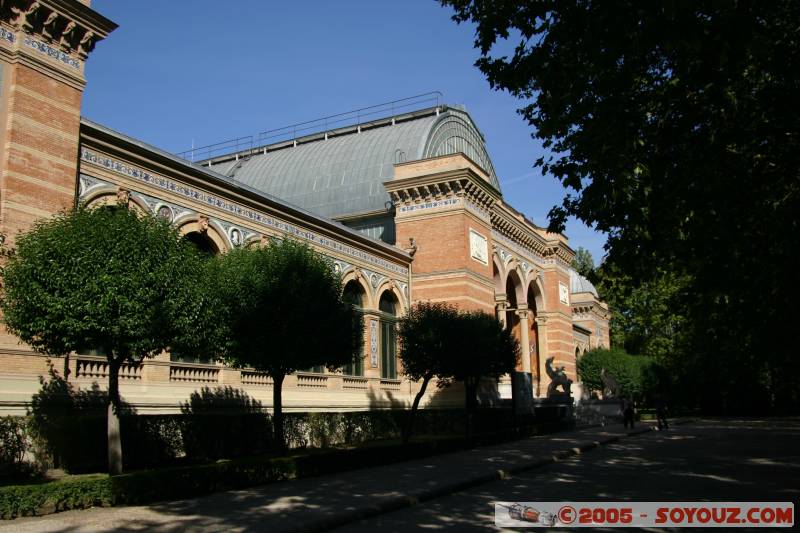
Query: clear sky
[[179, 72]]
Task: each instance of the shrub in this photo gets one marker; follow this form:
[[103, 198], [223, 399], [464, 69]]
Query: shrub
[[223, 423], [68, 430], [637, 375], [14, 447], [188, 481], [69, 425]]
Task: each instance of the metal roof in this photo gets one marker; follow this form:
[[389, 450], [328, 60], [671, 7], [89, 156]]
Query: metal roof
[[579, 284], [214, 177], [341, 172]]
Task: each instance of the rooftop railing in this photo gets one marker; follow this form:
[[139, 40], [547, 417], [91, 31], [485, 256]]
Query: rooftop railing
[[356, 118]]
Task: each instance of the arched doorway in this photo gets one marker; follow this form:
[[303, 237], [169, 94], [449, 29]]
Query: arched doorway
[[512, 318], [354, 295], [533, 332], [388, 306]]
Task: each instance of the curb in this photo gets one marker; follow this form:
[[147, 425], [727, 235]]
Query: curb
[[406, 501]]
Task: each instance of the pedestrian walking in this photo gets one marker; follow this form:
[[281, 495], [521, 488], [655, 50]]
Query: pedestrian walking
[[628, 412], [661, 413]]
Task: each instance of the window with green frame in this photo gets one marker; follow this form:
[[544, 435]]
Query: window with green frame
[[388, 321], [353, 294], [180, 358]]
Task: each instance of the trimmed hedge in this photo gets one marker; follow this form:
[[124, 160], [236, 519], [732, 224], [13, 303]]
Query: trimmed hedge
[[145, 486], [638, 375]]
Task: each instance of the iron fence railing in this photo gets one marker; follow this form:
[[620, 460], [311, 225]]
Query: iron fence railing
[[358, 117]]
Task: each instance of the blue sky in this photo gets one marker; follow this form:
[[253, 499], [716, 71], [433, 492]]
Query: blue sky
[[200, 71]]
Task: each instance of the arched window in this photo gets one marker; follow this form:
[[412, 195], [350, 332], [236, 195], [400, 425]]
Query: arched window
[[388, 308], [207, 248], [203, 243], [353, 294]]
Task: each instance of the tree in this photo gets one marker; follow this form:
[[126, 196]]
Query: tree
[[584, 264], [647, 318], [485, 349], [635, 374], [108, 279], [673, 127], [284, 312], [428, 348]]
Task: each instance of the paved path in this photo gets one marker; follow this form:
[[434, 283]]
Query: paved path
[[722, 460], [326, 501]]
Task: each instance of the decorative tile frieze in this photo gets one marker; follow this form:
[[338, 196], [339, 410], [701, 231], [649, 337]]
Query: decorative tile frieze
[[7, 36], [373, 343], [236, 235], [268, 221], [55, 53], [448, 202], [88, 184], [341, 267]]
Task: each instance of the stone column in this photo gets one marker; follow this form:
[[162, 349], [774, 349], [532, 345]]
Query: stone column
[[541, 334], [500, 304], [524, 340]]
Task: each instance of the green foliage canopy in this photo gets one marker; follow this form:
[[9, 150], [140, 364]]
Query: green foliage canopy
[[428, 347], [583, 263], [637, 375], [283, 311], [486, 349], [673, 127], [110, 279]]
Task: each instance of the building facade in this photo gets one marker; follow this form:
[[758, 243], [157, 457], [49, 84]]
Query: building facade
[[406, 205]]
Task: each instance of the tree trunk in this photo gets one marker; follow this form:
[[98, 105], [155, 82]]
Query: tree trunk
[[114, 438], [409, 426], [277, 416]]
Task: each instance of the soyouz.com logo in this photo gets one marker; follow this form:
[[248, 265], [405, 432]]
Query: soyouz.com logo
[[644, 514]]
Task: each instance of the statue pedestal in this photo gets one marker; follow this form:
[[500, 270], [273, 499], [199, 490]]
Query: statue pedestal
[[608, 407], [556, 408], [522, 393]]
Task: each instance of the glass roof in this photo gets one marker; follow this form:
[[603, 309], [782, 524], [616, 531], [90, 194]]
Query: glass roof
[[344, 173]]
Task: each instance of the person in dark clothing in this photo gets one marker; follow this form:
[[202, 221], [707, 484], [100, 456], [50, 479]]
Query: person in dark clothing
[[627, 413], [661, 413]]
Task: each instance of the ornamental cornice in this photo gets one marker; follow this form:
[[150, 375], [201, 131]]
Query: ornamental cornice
[[61, 26], [518, 232], [223, 204], [441, 190]]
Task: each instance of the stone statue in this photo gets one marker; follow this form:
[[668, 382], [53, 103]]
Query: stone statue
[[558, 378], [123, 196], [412, 246], [203, 223], [610, 385]]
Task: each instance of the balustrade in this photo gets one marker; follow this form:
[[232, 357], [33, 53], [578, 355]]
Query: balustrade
[[312, 381], [91, 368], [390, 384], [193, 373], [253, 377], [355, 382]]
